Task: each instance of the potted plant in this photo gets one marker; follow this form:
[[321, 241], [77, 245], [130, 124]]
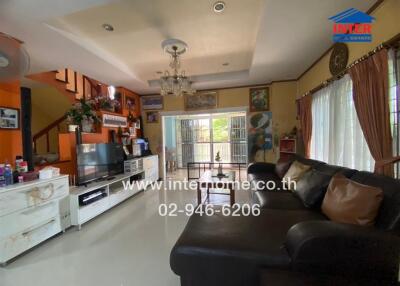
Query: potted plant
[[82, 113]]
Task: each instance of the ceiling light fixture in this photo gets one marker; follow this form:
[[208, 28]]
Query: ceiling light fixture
[[219, 6], [4, 62], [177, 84], [111, 92], [108, 27]]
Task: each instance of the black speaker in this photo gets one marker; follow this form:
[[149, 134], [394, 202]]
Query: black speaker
[[113, 136], [78, 135], [26, 123]]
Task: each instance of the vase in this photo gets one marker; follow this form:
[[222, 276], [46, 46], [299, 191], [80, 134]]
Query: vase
[[86, 126], [72, 127], [220, 170]]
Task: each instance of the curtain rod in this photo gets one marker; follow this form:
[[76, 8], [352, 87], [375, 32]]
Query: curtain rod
[[392, 43]]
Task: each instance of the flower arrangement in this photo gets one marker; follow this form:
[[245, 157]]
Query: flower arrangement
[[82, 110], [105, 103]]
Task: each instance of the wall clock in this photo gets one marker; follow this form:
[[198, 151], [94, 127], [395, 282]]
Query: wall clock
[[339, 58]]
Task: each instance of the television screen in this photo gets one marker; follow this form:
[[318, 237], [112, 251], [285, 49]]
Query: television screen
[[95, 161]]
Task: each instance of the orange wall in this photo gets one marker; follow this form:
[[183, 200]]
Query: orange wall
[[10, 140]]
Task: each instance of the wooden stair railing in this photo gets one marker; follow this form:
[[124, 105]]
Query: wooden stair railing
[[45, 132]]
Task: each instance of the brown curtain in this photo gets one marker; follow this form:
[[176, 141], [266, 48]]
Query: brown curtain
[[370, 93], [306, 121]]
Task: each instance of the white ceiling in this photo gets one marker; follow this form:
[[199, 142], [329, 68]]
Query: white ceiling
[[262, 40]]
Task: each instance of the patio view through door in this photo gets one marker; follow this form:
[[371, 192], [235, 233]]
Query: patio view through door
[[200, 137]]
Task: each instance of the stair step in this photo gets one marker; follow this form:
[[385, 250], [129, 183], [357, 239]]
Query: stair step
[[61, 75], [71, 81]]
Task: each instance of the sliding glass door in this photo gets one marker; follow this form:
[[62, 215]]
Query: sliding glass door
[[200, 137]]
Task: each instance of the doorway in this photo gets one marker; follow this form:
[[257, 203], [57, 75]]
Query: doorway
[[197, 138]]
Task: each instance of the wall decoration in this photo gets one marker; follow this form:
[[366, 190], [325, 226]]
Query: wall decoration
[[130, 102], [9, 118], [110, 120], [259, 99], [339, 58], [137, 123], [201, 100], [152, 116], [152, 102], [260, 135]]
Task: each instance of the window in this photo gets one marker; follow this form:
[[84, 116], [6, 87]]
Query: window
[[394, 99], [337, 137]]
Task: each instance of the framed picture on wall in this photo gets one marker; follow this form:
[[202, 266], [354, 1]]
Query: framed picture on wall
[[259, 99], [152, 102], [130, 102], [152, 116], [201, 100], [9, 118]]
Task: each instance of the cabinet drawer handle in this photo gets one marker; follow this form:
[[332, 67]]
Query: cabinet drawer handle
[[26, 233]]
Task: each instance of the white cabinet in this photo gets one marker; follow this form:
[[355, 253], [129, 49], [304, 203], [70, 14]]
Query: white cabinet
[[150, 166], [30, 213], [136, 170]]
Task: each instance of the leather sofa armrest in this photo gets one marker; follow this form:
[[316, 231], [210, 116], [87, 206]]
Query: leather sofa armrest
[[261, 167], [344, 249]]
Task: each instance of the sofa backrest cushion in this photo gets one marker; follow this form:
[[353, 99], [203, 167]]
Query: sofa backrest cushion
[[389, 214], [311, 188], [283, 165], [332, 170], [347, 201], [310, 162]]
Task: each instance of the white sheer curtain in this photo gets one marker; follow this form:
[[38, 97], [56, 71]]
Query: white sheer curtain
[[337, 137], [394, 100]]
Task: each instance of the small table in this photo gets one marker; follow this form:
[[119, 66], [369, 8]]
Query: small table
[[209, 180]]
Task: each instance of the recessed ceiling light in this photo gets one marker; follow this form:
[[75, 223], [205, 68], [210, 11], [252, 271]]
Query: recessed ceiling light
[[225, 64], [108, 27], [219, 6]]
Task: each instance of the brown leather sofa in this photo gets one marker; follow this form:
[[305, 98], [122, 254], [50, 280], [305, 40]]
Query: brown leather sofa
[[288, 236]]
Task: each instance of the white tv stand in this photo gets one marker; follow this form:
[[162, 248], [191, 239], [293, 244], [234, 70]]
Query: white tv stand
[[112, 189]]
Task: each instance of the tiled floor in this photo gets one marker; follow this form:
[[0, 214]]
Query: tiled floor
[[128, 245]]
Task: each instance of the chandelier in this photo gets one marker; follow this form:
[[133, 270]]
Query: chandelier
[[176, 83]]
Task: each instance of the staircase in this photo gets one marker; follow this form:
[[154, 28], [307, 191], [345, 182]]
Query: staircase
[[60, 124], [73, 85], [79, 85]]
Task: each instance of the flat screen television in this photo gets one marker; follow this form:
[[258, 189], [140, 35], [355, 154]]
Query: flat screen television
[[96, 161]]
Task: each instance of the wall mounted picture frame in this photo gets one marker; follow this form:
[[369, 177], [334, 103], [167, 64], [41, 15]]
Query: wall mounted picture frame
[[130, 102], [152, 102], [152, 117], [259, 99], [201, 100], [259, 133], [9, 118]]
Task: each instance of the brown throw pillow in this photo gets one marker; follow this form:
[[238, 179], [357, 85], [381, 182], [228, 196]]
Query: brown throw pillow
[[350, 202], [294, 173]]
